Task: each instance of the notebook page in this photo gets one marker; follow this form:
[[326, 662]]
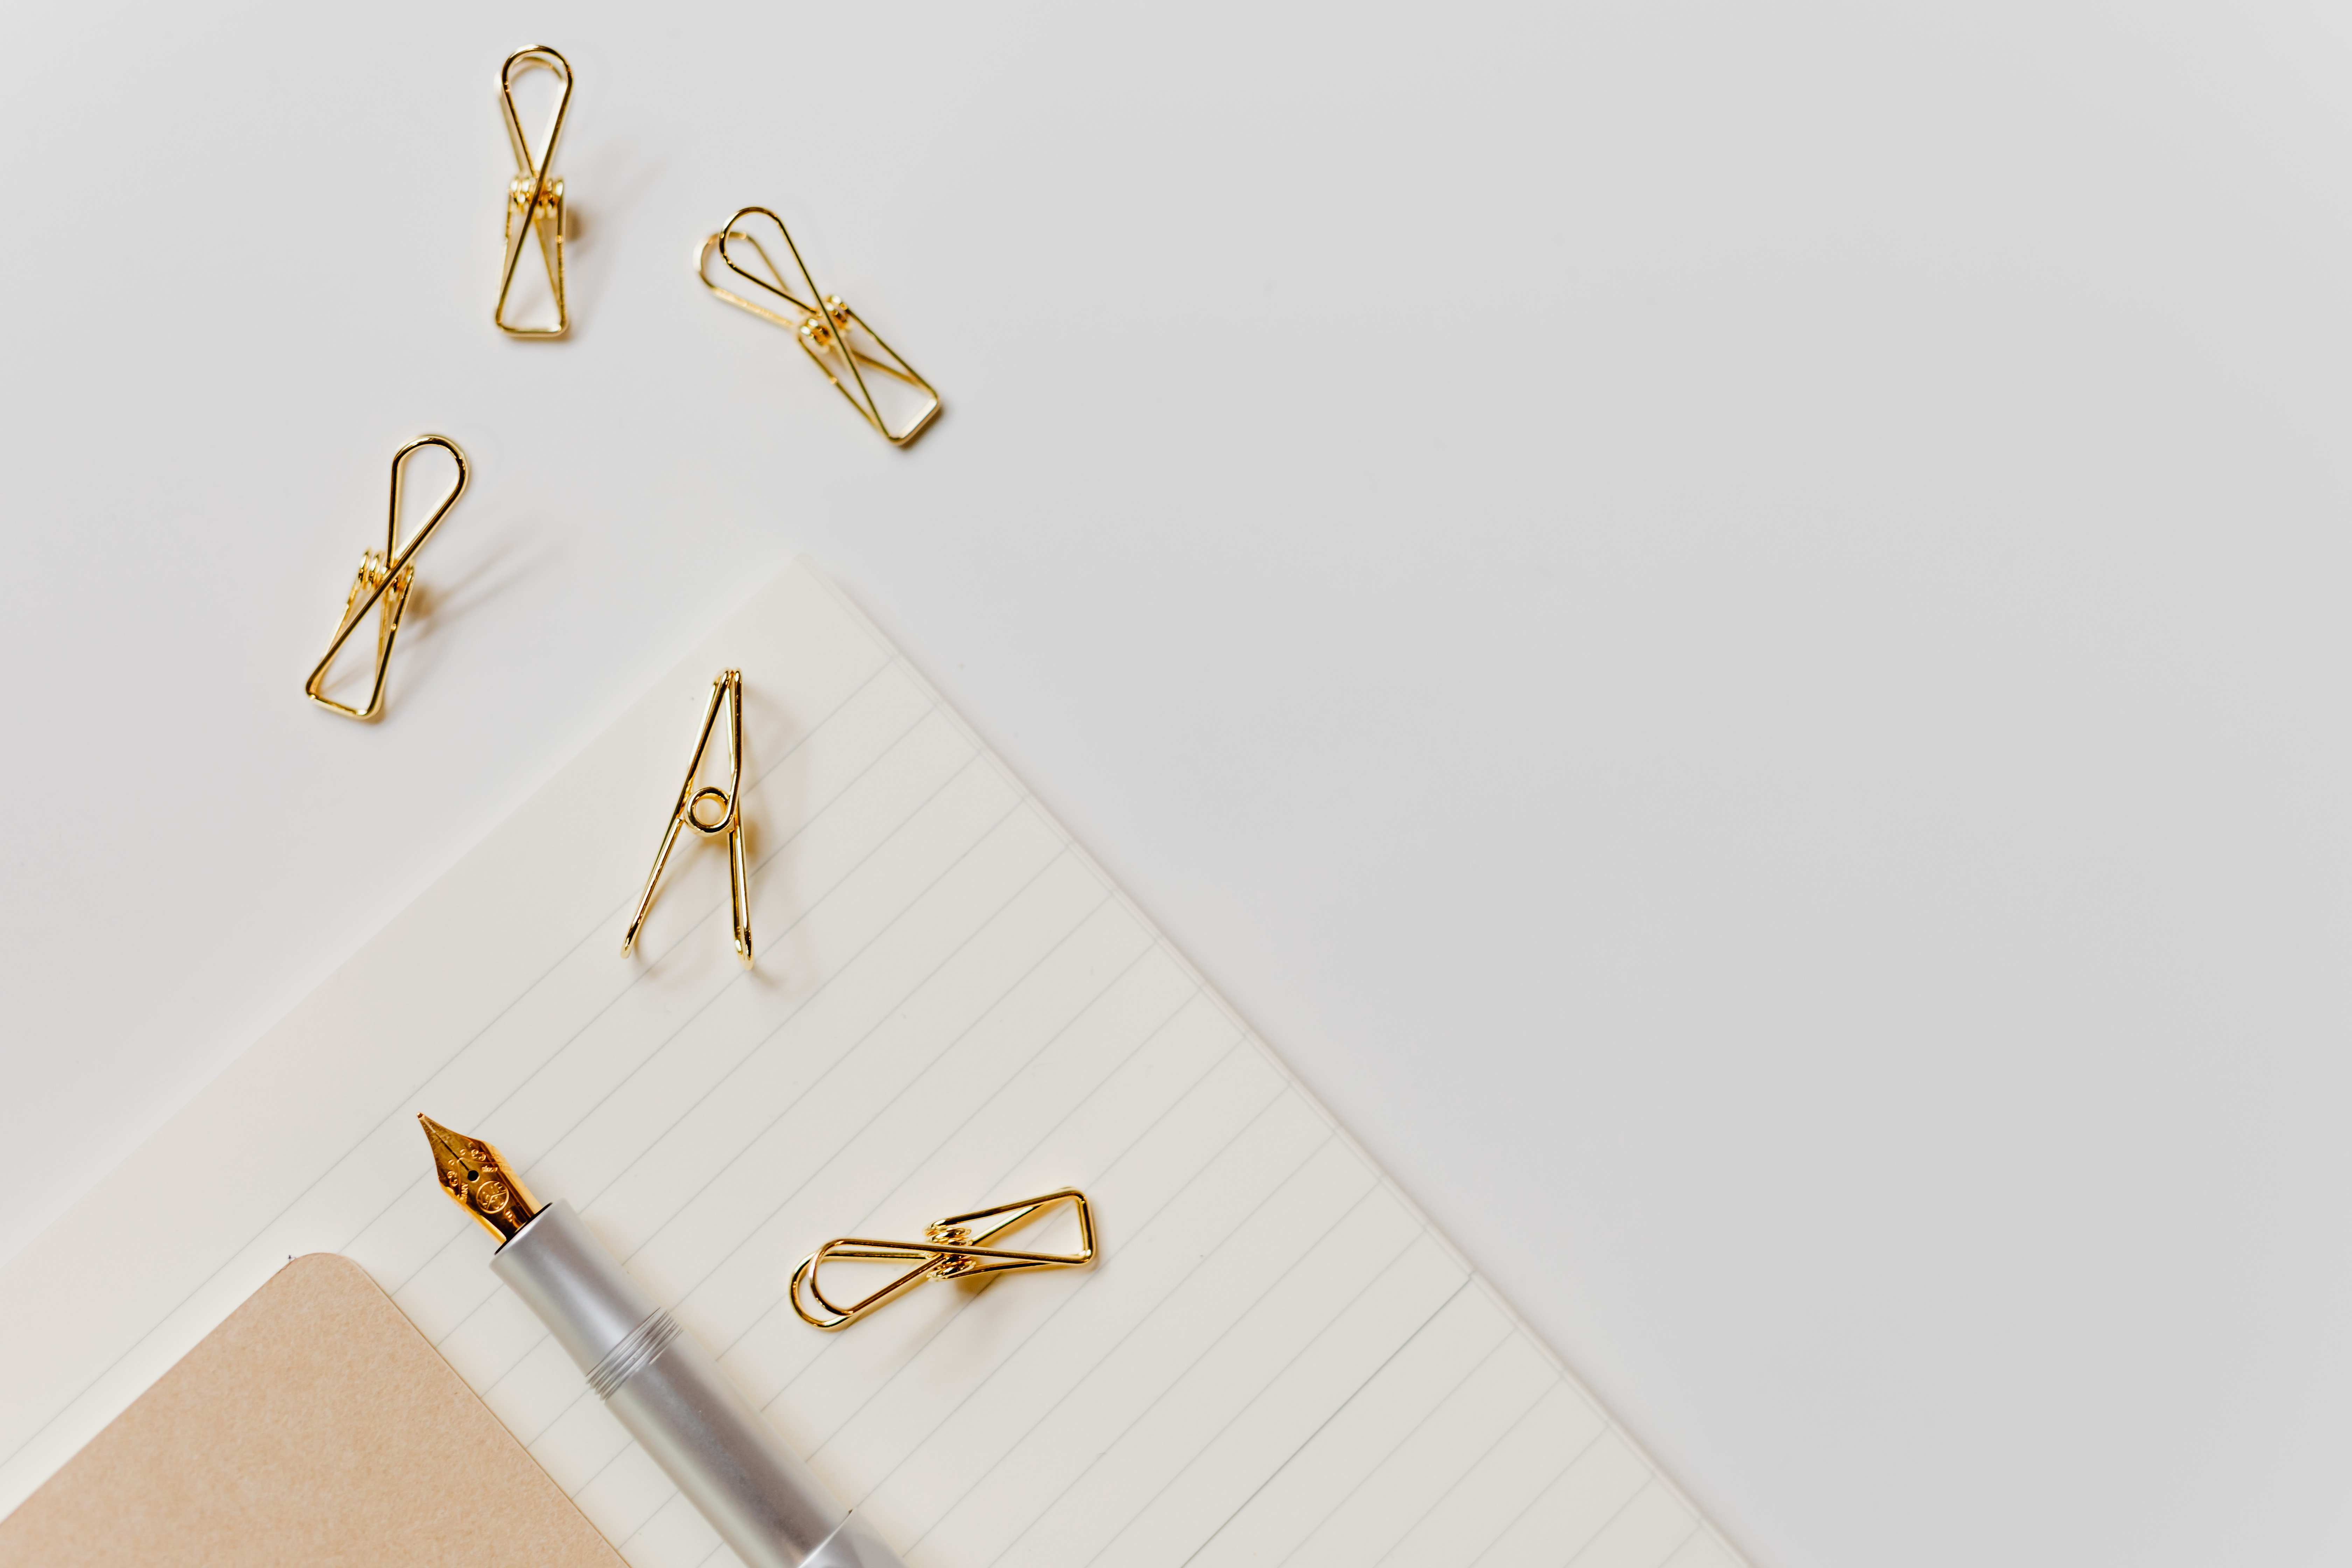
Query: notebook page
[[1276, 1360]]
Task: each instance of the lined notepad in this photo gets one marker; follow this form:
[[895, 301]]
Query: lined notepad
[[1276, 1360]]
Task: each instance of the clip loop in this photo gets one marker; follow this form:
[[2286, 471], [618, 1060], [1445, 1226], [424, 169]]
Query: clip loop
[[729, 803], [534, 199], [948, 1250], [383, 583], [832, 335]]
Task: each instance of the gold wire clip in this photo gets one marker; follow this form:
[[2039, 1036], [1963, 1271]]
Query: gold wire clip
[[687, 813], [948, 1250], [383, 583], [534, 201], [825, 334]]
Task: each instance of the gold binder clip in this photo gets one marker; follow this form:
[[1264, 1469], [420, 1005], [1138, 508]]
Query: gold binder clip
[[534, 199], [383, 583], [948, 1250], [728, 804], [832, 335]]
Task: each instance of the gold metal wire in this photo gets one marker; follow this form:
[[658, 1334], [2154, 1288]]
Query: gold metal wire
[[383, 583], [824, 333], [728, 686], [948, 1250], [534, 200]]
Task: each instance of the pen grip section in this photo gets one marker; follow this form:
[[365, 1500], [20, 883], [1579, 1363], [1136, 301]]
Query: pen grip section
[[571, 1283], [685, 1412]]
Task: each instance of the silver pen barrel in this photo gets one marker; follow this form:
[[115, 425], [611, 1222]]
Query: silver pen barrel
[[680, 1407]]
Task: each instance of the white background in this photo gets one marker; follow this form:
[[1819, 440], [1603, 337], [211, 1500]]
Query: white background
[[1726, 624]]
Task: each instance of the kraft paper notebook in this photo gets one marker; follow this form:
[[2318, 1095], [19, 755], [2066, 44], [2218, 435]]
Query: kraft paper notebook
[[1276, 1360], [314, 1427]]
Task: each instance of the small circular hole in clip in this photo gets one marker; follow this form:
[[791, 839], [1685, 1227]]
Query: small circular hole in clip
[[716, 799]]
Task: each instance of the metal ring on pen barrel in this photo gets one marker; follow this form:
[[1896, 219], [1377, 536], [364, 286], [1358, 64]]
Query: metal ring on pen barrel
[[669, 1394]]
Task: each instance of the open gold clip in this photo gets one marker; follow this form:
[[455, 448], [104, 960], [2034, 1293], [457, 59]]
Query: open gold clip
[[832, 334], [948, 1250], [383, 583], [692, 805], [534, 198]]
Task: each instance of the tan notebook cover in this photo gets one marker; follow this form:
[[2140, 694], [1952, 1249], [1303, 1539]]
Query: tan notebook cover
[[315, 1426]]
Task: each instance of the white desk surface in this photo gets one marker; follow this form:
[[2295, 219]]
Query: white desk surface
[[1727, 627]]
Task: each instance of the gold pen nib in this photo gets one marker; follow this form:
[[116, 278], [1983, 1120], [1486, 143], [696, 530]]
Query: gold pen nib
[[478, 1180]]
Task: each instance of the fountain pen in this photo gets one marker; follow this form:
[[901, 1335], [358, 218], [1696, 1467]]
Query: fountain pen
[[663, 1386]]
